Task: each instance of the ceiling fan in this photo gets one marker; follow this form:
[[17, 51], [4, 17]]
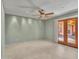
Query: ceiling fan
[[42, 12]]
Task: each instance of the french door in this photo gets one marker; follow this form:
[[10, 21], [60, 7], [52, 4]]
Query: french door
[[68, 32]]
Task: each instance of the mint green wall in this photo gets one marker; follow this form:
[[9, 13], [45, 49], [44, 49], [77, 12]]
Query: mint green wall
[[49, 30], [18, 29], [2, 32]]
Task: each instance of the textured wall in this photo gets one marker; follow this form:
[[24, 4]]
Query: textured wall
[[20, 29], [52, 26]]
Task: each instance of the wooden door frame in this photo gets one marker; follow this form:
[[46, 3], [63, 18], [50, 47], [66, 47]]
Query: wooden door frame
[[65, 33], [76, 28], [62, 42]]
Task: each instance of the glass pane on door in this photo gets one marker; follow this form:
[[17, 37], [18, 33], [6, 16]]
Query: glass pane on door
[[71, 31], [61, 30]]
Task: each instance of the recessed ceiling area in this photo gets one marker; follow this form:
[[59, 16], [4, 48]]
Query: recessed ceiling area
[[18, 7]]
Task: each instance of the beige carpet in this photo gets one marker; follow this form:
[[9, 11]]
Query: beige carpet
[[40, 50]]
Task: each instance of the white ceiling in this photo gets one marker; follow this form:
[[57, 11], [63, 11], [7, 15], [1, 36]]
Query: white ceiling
[[57, 6]]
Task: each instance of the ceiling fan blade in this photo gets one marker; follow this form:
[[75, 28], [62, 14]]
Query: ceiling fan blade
[[49, 13]]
